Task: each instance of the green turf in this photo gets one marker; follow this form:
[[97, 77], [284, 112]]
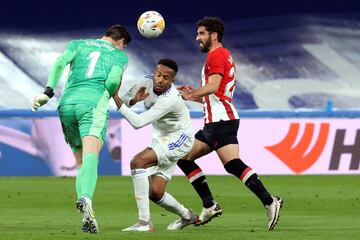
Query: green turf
[[316, 207]]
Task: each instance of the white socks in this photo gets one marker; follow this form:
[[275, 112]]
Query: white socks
[[172, 205], [141, 191]]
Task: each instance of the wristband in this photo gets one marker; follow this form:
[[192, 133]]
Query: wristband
[[49, 92]]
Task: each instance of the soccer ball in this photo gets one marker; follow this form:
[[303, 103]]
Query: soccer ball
[[151, 24]]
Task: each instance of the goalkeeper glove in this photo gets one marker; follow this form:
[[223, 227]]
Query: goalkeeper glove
[[42, 99]]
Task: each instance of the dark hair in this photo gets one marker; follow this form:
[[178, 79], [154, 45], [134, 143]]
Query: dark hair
[[213, 24], [118, 32], [169, 63]]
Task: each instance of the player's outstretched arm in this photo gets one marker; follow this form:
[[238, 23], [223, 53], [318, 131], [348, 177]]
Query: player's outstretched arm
[[159, 109], [58, 67], [211, 87], [185, 88], [55, 74]]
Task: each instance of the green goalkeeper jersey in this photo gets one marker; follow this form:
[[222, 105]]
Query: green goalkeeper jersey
[[94, 65]]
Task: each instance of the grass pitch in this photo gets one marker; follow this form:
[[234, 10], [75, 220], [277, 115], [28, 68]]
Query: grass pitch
[[316, 207]]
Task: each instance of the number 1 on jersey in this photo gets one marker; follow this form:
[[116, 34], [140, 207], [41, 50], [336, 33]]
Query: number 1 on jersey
[[93, 56]]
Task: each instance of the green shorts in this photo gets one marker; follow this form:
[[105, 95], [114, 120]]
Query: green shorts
[[79, 120]]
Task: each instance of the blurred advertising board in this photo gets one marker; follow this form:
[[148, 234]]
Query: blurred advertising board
[[35, 146], [276, 146]]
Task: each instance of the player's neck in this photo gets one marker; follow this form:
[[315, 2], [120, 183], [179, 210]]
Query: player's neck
[[214, 46], [108, 39]]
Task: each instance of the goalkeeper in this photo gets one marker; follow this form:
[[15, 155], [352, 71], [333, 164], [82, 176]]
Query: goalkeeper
[[96, 69]]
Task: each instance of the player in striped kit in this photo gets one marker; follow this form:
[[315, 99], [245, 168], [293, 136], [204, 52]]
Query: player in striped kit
[[173, 138], [221, 125]]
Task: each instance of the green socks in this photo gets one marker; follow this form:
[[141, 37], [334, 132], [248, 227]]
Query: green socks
[[87, 176], [78, 183]]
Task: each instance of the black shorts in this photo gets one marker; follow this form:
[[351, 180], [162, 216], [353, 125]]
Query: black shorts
[[219, 134]]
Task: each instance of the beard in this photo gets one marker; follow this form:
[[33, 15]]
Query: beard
[[206, 46], [157, 92]]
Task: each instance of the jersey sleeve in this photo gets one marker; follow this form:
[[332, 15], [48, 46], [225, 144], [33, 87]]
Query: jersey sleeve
[[115, 75], [161, 107], [58, 67], [113, 80], [130, 94], [217, 63]]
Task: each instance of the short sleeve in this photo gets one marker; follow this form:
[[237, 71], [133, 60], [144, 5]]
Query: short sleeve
[[72, 45], [122, 61], [216, 63]]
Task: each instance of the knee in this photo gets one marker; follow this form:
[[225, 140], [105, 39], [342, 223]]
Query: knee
[[235, 167], [136, 162], [187, 166], [155, 195]]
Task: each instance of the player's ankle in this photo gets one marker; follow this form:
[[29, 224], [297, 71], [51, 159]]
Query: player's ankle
[[209, 204]]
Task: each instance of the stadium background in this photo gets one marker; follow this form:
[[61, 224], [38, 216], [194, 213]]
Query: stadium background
[[298, 71], [297, 94]]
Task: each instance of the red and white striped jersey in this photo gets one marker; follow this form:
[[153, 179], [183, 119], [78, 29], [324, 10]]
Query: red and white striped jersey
[[218, 106]]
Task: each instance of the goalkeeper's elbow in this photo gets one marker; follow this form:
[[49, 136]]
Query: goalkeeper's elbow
[[111, 88]]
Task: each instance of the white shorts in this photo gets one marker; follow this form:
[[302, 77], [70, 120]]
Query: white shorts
[[170, 149]]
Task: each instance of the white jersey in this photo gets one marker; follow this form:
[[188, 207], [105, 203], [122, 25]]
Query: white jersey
[[166, 112]]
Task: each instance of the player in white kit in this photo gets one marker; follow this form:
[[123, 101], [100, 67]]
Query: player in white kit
[[173, 138]]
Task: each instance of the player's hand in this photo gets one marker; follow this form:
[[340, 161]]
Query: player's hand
[[140, 95], [118, 101], [39, 101], [185, 91], [185, 88], [186, 95]]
